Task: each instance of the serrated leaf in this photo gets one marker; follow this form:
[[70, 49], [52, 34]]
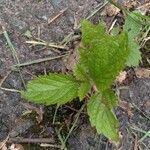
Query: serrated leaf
[[52, 89], [80, 72], [133, 28], [90, 31], [135, 54], [103, 55], [102, 118], [83, 89], [109, 98]]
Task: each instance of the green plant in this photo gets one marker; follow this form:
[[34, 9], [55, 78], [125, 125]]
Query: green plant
[[133, 28], [102, 57]]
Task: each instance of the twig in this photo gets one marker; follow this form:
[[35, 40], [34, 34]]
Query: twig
[[145, 146], [14, 53], [2, 144], [9, 90], [30, 140], [99, 7], [39, 61], [137, 108], [145, 136], [74, 109], [56, 109], [46, 44], [56, 17], [63, 144], [112, 25], [75, 122], [10, 45], [135, 146], [68, 38], [3, 80], [140, 130], [50, 145]]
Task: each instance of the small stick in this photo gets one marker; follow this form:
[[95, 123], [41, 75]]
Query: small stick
[[99, 7], [58, 15], [50, 145], [2, 144], [39, 32], [30, 140], [14, 53], [112, 25], [3, 80], [74, 109], [74, 123], [56, 109], [46, 44], [9, 90], [68, 38], [145, 136], [39, 61]]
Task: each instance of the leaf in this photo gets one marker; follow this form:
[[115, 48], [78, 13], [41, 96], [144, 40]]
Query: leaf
[[135, 54], [103, 55], [109, 98], [133, 28], [83, 89], [90, 31], [115, 31], [80, 72], [102, 118], [52, 89]]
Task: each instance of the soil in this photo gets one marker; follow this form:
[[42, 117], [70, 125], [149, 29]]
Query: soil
[[18, 17]]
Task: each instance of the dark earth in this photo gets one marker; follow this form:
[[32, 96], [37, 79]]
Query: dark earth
[[31, 20]]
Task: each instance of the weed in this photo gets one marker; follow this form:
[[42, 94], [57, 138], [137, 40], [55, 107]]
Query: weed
[[101, 57]]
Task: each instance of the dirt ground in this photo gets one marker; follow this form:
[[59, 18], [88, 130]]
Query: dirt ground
[[31, 20]]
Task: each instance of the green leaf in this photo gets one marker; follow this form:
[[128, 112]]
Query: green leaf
[[80, 72], [102, 118], [135, 54], [133, 28], [115, 31], [90, 31], [52, 89], [109, 98], [83, 89], [103, 55]]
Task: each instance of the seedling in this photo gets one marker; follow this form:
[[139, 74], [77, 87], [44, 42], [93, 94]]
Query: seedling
[[101, 57]]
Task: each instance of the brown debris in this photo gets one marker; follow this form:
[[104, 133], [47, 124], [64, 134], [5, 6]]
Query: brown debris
[[126, 106], [16, 147], [30, 140], [57, 16], [142, 72], [39, 111], [130, 4], [121, 77], [111, 10]]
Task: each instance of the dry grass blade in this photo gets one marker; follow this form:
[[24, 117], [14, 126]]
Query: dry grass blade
[[46, 44], [39, 61], [56, 17], [14, 53], [2, 144]]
